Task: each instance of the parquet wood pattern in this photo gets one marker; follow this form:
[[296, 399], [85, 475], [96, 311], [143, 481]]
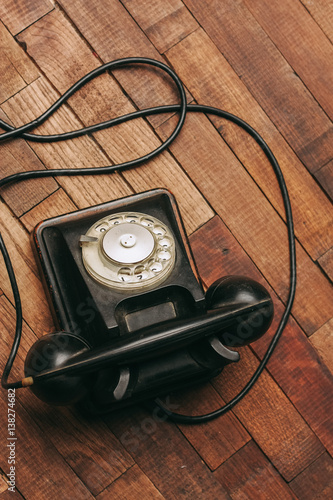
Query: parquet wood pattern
[[271, 63]]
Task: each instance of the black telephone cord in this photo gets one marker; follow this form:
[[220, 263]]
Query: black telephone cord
[[182, 109]]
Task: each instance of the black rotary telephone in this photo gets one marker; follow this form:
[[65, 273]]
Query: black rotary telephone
[[133, 319]]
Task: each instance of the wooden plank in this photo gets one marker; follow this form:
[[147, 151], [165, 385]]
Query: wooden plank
[[34, 304], [248, 474], [18, 14], [164, 24], [40, 470], [322, 12], [57, 204], [164, 455], [322, 340], [93, 20], [3, 484], [12, 81], [325, 178], [131, 485], [110, 16], [8, 495], [91, 105], [294, 363], [17, 156], [215, 441], [251, 219], [54, 34], [326, 263], [270, 418], [21, 63], [270, 79], [316, 482], [301, 41], [211, 80], [89, 448]]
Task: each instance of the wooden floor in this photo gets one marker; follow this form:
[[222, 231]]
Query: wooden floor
[[271, 63]]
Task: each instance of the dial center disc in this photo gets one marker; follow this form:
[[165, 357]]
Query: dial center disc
[[128, 240], [128, 243]]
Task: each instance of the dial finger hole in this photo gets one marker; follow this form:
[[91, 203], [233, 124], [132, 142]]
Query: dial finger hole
[[156, 267], [124, 274], [147, 222], [164, 255], [132, 218], [165, 242], [141, 273], [115, 220], [159, 230], [101, 228]]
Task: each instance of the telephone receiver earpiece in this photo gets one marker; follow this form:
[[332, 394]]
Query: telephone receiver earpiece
[[235, 291], [60, 367]]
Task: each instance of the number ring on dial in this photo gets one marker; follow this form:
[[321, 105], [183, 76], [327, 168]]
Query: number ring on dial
[[128, 251]]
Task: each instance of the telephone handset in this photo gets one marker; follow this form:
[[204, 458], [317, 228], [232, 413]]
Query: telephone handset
[[134, 321]]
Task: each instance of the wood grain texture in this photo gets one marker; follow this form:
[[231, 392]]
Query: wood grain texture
[[164, 24], [267, 74], [215, 441], [13, 82], [7, 495], [90, 449], [322, 340], [35, 307], [95, 19], [284, 437], [322, 12], [18, 14], [77, 153], [325, 177], [271, 64], [3, 484], [164, 455], [56, 478], [18, 63], [248, 474], [17, 156], [316, 483], [326, 263], [303, 44], [131, 485], [56, 204], [32, 441]]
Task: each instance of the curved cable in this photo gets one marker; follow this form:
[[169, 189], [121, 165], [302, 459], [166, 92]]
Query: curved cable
[[181, 108], [22, 131], [18, 330]]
